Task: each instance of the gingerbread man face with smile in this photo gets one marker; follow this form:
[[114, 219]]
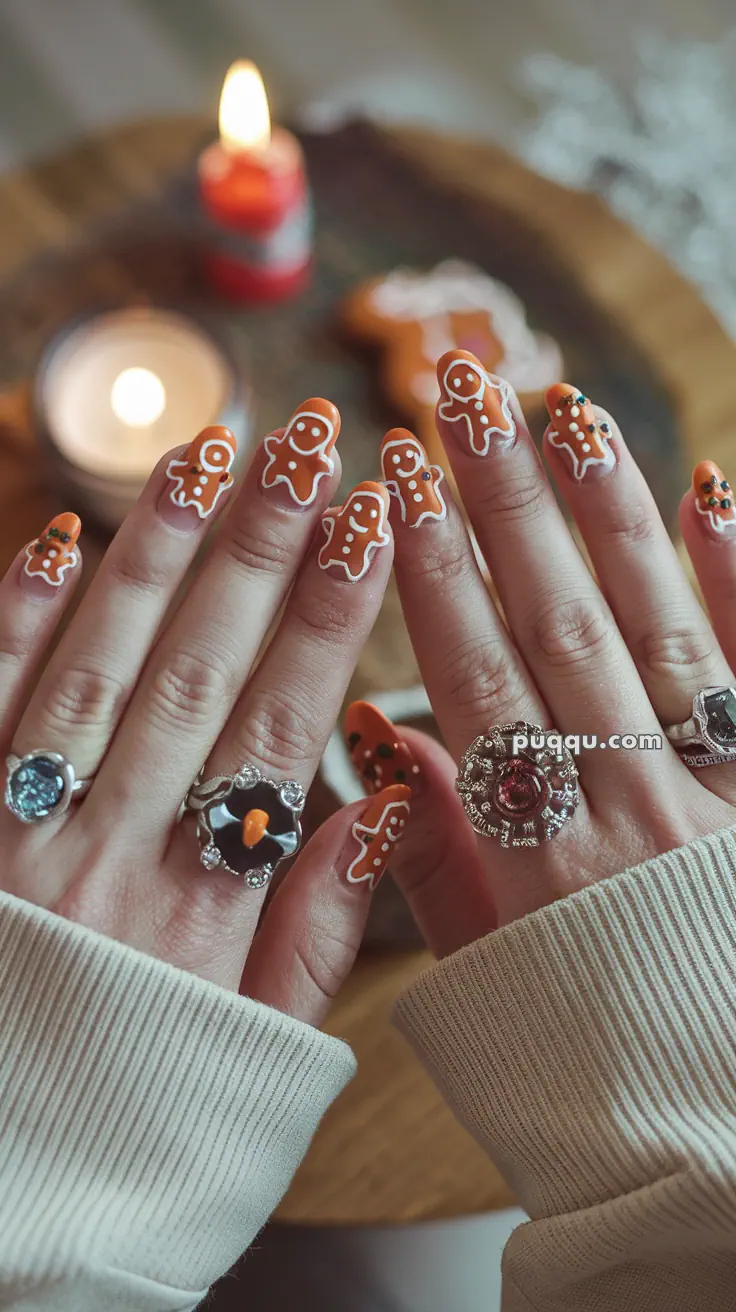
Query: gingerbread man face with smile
[[476, 401], [201, 476], [300, 456], [356, 530], [412, 480], [55, 551]]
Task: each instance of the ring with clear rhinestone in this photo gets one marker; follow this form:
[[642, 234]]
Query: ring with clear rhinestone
[[246, 823], [520, 794], [41, 785]]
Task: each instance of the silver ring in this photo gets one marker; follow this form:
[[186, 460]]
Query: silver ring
[[521, 795], [712, 726], [41, 785], [246, 823]]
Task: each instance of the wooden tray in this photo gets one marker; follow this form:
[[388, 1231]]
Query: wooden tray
[[112, 220]]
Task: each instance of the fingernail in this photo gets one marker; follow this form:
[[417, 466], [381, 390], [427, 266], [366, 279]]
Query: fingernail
[[409, 476], [199, 478], [355, 531], [714, 499], [475, 403], [299, 457], [577, 431], [54, 553], [377, 752], [376, 834]]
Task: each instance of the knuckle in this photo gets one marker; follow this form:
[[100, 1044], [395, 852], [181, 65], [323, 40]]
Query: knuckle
[[483, 682], [511, 498], [628, 524], [78, 696], [571, 632], [451, 565], [137, 572], [259, 549], [679, 651], [190, 689], [279, 734], [325, 622]]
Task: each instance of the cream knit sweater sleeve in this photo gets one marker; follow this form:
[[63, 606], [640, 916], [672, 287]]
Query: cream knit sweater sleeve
[[591, 1049], [149, 1121]]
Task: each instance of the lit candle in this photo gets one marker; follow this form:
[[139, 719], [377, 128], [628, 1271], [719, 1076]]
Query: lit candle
[[253, 190], [115, 391]]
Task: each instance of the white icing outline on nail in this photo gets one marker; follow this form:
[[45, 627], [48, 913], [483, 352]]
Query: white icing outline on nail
[[273, 444], [71, 562], [487, 381], [329, 523], [580, 468], [393, 485], [362, 833], [177, 494]]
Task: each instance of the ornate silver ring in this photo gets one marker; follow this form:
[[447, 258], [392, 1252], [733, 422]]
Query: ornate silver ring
[[712, 726], [41, 785], [518, 786], [246, 823]]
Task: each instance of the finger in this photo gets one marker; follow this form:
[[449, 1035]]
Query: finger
[[205, 654], [84, 690], [33, 596], [311, 932], [709, 533], [555, 611], [437, 865], [661, 620], [473, 674]]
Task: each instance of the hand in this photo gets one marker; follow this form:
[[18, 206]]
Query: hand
[[250, 667], [624, 655]]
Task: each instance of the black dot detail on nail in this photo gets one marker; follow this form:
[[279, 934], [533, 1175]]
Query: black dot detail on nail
[[712, 501], [426, 476], [384, 750], [591, 428], [724, 485], [605, 428], [726, 504], [353, 740]]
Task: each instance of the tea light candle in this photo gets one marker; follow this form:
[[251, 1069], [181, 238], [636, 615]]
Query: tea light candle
[[115, 391], [253, 190]]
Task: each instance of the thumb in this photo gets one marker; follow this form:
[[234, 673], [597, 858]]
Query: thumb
[[436, 865]]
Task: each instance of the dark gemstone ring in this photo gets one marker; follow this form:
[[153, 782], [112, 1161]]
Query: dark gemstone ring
[[41, 785], [712, 726], [518, 784], [246, 823]]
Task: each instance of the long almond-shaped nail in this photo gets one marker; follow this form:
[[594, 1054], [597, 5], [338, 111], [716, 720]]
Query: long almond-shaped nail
[[379, 755], [477, 404], [409, 476], [577, 430], [714, 499], [200, 477], [376, 834], [355, 531], [300, 456], [54, 553]]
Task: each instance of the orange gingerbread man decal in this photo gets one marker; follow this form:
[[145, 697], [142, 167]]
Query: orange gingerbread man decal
[[714, 498], [412, 480], [577, 429], [300, 456], [377, 833], [476, 400], [201, 476], [377, 752], [356, 530], [55, 552]]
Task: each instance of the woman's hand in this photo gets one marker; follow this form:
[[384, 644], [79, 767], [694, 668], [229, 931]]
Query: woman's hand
[[624, 655], [251, 667]]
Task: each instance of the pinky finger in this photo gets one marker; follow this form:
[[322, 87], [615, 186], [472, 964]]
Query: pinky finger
[[309, 937], [708, 526], [33, 595]]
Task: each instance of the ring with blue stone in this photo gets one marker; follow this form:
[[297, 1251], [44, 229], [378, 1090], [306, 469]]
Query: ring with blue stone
[[246, 823], [41, 785], [712, 726]]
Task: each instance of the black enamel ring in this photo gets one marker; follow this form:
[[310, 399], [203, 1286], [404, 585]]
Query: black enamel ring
[[246, 823], [41, 785], [712, 726], [518, 784]]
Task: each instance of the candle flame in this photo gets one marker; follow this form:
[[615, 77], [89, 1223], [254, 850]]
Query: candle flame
[[245, 123], [138, 397]]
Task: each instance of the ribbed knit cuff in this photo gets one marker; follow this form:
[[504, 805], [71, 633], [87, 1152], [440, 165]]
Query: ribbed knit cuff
[[589, 1046], [149, 1121]]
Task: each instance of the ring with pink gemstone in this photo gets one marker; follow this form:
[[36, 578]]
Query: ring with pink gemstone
[[519, 784]]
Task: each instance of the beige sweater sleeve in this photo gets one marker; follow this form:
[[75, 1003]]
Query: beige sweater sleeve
[[149, 1121], [591, 1049]]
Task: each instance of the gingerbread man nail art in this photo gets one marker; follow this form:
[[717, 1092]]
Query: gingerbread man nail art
[[577, 430], [377, 833], [201, 476], [412, 480], [356, 530], [300, 456], [54, 553], [377, 752], [475, 400], [714, 498]]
